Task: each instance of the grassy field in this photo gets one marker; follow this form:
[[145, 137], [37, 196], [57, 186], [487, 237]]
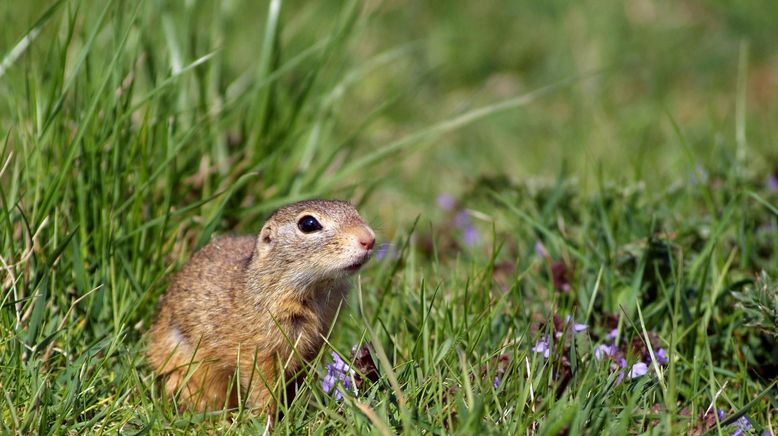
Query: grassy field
[[577, 204]]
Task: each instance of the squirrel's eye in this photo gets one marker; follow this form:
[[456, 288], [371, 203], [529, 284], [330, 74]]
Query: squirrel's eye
[[308, 224]]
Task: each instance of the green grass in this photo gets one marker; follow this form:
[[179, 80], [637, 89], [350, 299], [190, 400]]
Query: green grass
[[633, 142]]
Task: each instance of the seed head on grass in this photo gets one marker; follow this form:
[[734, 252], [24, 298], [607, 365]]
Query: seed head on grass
[[759, 304]]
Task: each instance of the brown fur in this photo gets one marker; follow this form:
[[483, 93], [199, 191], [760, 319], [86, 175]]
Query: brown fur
[[232, 311]]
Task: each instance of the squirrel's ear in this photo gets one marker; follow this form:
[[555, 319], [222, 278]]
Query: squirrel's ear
[[266, 238]]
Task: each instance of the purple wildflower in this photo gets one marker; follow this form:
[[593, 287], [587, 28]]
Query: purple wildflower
[[742, 425], [338, 371], [386, 251], [613, 334], [661, 356], [772, 183], [329, 380], [578, 328], [496, 383], [638, 370], [340, 364], [540, 250], [543, 346], [446, 201], [470, 236], [603, 350]]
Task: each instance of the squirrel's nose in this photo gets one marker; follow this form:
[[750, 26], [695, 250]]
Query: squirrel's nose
[[367, 242], [364, 236]]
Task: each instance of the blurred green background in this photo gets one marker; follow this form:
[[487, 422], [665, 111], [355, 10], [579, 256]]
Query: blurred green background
[[633, 68]]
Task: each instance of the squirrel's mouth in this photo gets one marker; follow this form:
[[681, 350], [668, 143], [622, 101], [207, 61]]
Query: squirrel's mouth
[[354, 267]]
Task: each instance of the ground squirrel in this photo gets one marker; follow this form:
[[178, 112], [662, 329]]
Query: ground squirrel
[[240, 301]]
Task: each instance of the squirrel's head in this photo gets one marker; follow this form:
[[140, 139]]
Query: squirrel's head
[[315, 240]]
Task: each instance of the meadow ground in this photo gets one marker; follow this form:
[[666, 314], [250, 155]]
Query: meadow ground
[[578, 205]]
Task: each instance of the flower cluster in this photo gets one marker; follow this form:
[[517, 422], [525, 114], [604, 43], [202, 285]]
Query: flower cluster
[[608, 350], [557, 344], [611, 350], [339, 379], [342, 378], [546, 344], [740, 427]]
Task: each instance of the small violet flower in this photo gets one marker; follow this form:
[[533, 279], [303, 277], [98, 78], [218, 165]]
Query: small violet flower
[[543, 346], [772, 183], [470, 236], [604, 350], [338, 371], [386, 251], [638, 370], [578, 328], [496, 383], [661, 356], [540, 250], [446, 202], [742, 425]]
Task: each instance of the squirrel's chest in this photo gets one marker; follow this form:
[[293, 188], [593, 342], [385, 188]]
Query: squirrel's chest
[[306, 323]]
